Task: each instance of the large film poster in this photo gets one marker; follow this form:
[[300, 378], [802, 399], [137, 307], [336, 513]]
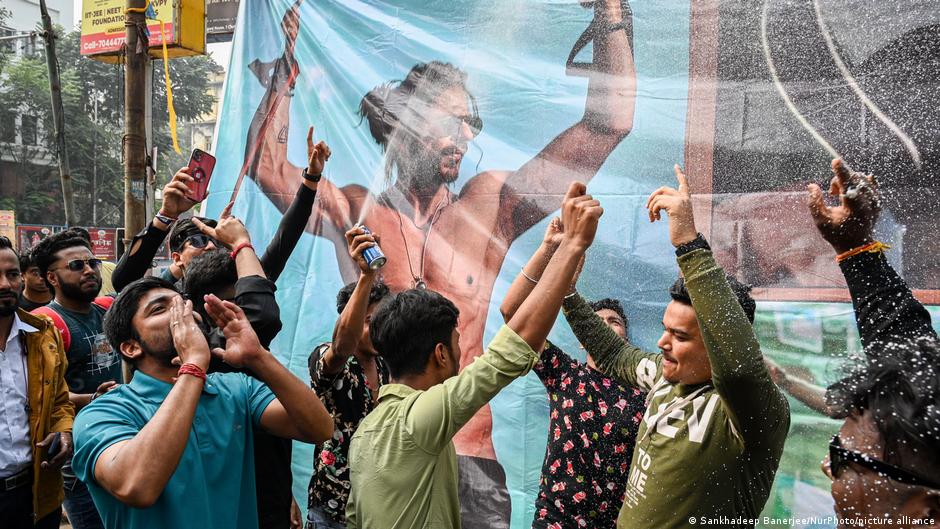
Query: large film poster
[[753, 99]]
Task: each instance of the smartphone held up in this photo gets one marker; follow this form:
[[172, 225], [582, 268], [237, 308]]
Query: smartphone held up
[[201, 165]]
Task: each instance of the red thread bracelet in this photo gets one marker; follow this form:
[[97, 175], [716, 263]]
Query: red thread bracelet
[[191, 369], [241, 247]]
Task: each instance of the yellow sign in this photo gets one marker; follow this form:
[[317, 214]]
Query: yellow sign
[[8, 224], [183, 28]]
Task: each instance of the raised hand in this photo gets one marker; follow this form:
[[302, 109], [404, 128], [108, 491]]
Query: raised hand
[[580, 215], [678, 205], [175, 201], [317, 155], [230, 231], [554, 233], [358, 242], [188, 339], [242, 348], [850, 224]]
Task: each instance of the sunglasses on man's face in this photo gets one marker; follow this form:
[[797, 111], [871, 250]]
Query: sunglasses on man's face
[[77, 265], [201, 241], [840, 457]]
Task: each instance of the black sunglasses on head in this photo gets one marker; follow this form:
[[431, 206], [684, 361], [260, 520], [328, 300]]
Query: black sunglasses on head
[[77, 265], [201, 240], [840, 457]]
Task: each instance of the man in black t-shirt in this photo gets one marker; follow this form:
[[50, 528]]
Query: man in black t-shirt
[[72, 272], [36, 292]]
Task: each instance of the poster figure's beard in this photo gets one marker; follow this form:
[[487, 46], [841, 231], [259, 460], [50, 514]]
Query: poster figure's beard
[[425, 167], [76, 292]]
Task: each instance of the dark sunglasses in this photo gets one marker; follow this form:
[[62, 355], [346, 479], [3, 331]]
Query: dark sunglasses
[[201, 240], [77, 265], [839, 458], [451, 124]]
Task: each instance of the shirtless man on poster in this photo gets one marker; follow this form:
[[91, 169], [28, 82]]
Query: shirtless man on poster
[[447, 241]]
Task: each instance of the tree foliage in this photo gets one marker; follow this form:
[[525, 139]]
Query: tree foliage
[[93, 100]]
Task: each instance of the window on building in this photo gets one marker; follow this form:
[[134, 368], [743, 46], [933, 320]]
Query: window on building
[[28, 130], [7, 126]]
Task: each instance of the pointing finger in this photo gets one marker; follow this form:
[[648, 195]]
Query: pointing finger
[[817, 206], [227, 212], [682, 179]]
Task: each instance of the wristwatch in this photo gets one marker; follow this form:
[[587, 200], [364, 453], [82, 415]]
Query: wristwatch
[[311, 178]]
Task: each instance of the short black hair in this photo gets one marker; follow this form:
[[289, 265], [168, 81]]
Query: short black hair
[[898, 383], [379, 292], [44, 253], [209, 273], [407, 327], [185, 228], [611, 304], [118, 321], [679, 293], [7, 244], [26, 258]]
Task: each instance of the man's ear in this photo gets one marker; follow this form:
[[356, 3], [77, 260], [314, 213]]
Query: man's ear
[[441, 356], [51, 280], [132, 351], [178, 260]]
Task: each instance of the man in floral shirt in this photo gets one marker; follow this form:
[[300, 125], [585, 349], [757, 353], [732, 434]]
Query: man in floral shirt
[[346, 375], [593, 421]]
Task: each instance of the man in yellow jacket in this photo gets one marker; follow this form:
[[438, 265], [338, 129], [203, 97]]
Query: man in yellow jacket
[[35, 412]]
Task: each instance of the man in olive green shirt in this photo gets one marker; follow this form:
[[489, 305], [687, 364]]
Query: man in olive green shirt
[[403, 467], [713, 433]]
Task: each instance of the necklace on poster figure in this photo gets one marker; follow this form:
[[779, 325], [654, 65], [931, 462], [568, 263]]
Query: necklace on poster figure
[[418, 279]]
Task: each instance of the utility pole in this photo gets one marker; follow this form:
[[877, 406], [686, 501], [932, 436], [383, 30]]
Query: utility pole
[[135, 127], [58, 114]]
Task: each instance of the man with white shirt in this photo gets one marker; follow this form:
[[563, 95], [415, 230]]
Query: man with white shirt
[[35, 412]]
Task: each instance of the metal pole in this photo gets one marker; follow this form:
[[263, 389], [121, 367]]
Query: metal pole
[[58, 114], [135, 133]]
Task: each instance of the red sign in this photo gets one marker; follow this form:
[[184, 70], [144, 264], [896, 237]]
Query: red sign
[[28, 236], [104, 243]]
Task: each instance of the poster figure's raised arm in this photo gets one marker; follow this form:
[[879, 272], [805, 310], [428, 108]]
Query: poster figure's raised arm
[[266, 160], [578, 153]]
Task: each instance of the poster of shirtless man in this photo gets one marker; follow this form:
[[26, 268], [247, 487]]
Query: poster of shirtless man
[[436, 236]]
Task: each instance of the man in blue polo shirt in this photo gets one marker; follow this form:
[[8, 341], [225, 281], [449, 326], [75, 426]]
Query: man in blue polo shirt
[[173, 448]]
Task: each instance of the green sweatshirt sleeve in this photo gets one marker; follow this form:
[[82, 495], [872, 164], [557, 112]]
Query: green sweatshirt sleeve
[[753, 402], [612, 354]]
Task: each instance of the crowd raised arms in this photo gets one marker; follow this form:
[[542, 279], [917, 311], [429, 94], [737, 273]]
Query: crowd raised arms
[[196, 430]]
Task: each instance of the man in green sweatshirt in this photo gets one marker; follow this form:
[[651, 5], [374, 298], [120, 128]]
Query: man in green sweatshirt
[[711, 439]]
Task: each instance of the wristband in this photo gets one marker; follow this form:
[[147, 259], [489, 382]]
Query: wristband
[[191, 369], [241, 247], [698, 243], [312, 178], [165, 219], [872, 247]]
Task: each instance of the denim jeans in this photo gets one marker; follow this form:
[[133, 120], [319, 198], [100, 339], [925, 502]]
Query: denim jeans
[[79, 505], [317, 519]]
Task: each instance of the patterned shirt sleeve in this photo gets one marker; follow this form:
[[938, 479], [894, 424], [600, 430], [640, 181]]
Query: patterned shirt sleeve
[[552, 362]]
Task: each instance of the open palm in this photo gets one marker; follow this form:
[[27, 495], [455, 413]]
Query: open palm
[[242, 347]]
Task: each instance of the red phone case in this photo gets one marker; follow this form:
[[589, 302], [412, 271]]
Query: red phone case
[[201, 165]]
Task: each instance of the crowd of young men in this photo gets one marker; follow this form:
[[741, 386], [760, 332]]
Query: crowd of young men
[[196, 431], [636, 439]]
